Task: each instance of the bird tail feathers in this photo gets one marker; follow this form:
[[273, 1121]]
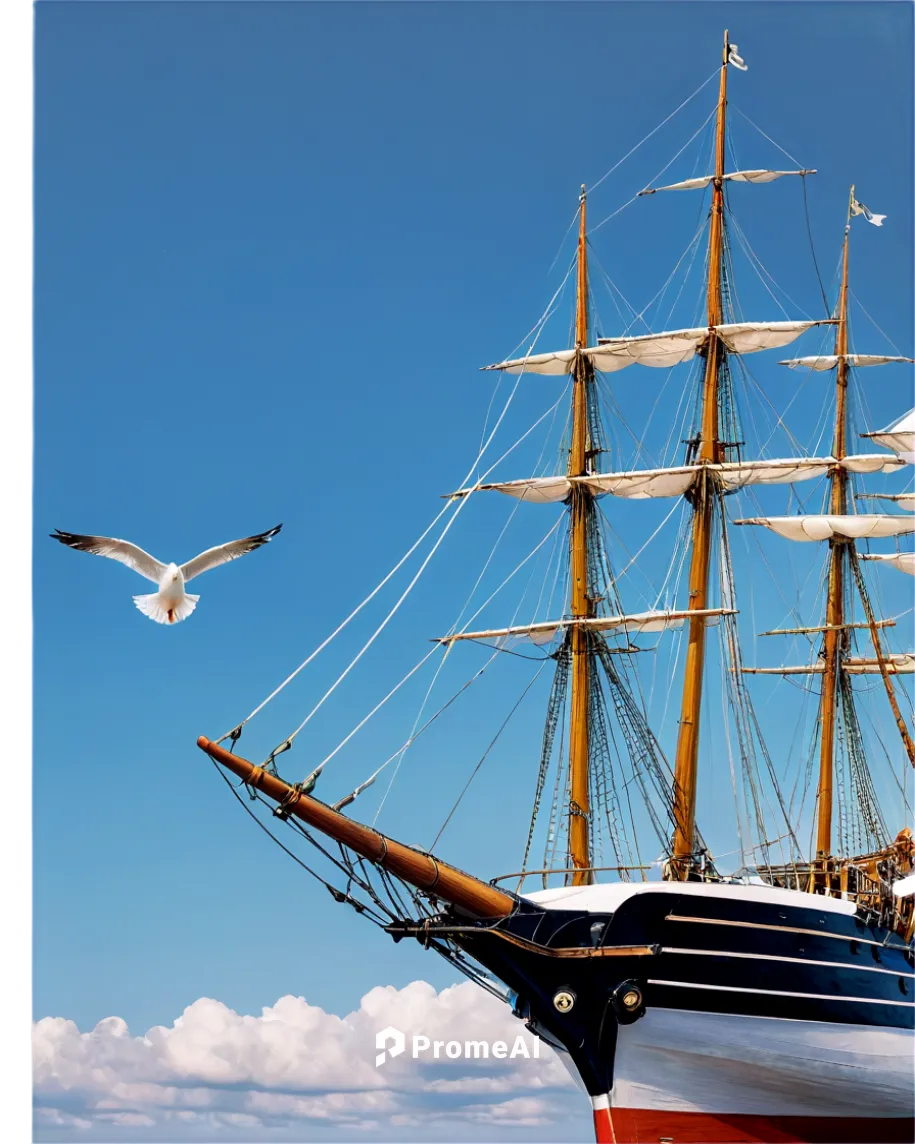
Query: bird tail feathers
[[152, 607]]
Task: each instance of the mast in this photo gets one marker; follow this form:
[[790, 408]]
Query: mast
[[703, 505], [581, 604], [842, 388], [835, 638]]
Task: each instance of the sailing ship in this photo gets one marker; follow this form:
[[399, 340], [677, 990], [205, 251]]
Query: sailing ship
[[770, 1003]]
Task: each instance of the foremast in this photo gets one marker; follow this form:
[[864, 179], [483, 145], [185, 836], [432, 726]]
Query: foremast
[[581, 603], [703, 499]]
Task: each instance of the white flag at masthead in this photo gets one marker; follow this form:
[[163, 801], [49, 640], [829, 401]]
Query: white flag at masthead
[[860, 208]]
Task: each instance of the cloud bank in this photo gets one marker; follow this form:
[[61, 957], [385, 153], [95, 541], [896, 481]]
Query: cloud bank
[[298, 1073]]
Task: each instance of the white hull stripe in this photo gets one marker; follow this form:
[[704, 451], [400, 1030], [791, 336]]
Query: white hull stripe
[[777, 992], [777, 957], [678, 1061], [783, 929]]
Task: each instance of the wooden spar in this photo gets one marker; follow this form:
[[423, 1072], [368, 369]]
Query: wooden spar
[[709, 451], [581, 606], [835, 639], [824, 628], [421, 870]]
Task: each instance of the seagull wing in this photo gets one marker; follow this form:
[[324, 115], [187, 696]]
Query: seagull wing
[[121, 550], [223, 553]]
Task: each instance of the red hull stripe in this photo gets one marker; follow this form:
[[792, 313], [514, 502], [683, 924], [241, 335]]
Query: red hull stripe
[[654, 1126]]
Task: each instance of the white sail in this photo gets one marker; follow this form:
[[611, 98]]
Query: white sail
[[638, 622], [734, 177], [900, 437], [662, 350], [904, 561], [817, 527], [897, 663], [556, 363], [750, 337], [830, 361], [731, 474], [640, 484], [680, 345], [535, 490], [906, 501], [872, 463]]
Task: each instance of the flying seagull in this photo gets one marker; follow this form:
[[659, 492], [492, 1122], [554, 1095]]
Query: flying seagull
[[171, 603]]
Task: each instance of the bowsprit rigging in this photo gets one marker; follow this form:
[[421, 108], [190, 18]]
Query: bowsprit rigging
[[639, 957]]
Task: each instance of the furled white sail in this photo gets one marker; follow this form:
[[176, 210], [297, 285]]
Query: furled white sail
[[640, 484], [816, 527], [731, 474], [658, 350], [535, 490], [830, 361], [897, 663], [904, 561], [900, 437], [872, 463], [906, 501], [680, 345], [638, 622], [749, 337], [663, 350], [559, 362], [734, 177]]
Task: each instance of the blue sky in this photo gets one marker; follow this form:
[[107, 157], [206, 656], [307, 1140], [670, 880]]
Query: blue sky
[[273, 243]]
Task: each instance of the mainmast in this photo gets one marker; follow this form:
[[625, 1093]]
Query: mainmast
[[581, 604], [703, 505], [835, 640]]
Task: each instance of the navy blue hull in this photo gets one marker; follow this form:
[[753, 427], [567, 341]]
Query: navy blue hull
[[574, 972]]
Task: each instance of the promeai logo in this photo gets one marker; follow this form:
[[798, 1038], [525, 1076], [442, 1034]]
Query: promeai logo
[[392, 1042], [389, 1037]]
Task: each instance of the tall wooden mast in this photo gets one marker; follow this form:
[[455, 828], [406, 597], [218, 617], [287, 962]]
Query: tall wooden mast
[[581, 605], [703, 504], [835, 639]]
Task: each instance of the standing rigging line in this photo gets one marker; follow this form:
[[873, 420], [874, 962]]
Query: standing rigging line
[[881, 660], [703, 506], [813, 252], [632, 151]]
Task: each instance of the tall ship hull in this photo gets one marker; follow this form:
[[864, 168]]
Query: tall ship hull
[[771, 1004], [716, 1012]]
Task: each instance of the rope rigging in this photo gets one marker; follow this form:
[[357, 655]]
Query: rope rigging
[[630, 783]]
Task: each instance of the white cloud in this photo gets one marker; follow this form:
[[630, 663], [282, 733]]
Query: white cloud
[[296, 1071]]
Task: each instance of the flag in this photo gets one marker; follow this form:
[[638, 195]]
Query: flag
[[734, 58], [860, 208]]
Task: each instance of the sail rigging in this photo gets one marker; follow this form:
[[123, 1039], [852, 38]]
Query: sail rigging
[[665, 349], [841, 529], [760, 176], [677, 480], [598, 741], [807, 814]]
